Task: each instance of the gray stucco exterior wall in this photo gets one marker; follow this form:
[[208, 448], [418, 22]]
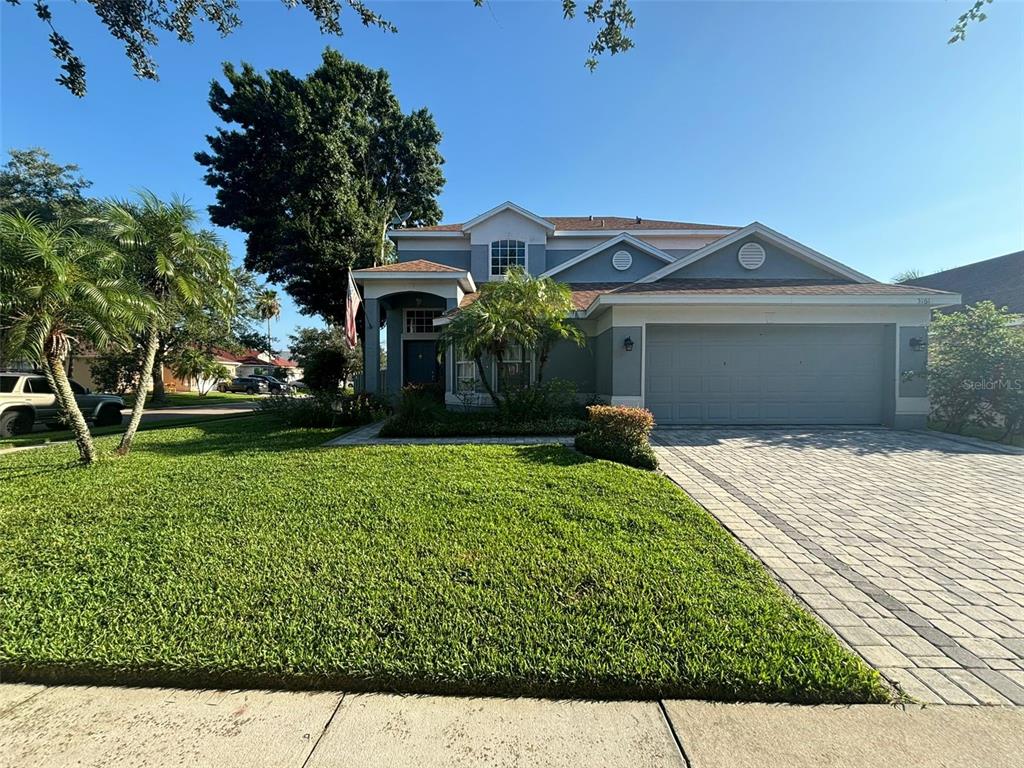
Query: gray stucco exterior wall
[[627, 367], [371, 351], [393, 330], [598, 268], [617, 373], [602, 345], [536, 258], [912, 359], [888, 375], [479, 266], [777, 264], [459, 259], [573, 363]]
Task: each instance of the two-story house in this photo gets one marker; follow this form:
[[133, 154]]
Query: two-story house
[[702, 324]]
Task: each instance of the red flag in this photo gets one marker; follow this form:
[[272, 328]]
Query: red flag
[[352, 302]]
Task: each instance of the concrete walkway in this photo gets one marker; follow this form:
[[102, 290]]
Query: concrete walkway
[[370, 435], [160, 727], [908, 544]]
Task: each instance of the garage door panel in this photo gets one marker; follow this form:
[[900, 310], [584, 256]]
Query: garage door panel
[[765, 374]]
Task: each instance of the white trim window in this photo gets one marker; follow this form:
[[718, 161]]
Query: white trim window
[[420, 322], [506, 254], [516, 368], [467, 378]]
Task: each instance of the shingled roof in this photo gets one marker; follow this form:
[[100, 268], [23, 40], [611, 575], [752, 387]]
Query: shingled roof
[[416, 265], [596, 223], [584, 294], [999, 280]]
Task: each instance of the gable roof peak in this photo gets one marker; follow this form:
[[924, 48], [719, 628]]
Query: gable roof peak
[[770, 235], [508, 205]]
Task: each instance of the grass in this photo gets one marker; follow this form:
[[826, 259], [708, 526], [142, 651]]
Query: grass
[[991, 434], [183, 399], [237, 553], [63, 435]]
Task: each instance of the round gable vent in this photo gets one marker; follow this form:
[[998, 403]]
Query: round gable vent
[[751, 255], [622, 260]]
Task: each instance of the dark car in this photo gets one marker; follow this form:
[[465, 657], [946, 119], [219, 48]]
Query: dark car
[[251, 385], [275, 385]]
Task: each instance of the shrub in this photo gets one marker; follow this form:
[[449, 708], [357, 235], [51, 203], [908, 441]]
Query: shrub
[[620, 434], [478, 424], [975, 360], [552, 399], [420, 403], [325, 409], [116, 371], [325, 369]]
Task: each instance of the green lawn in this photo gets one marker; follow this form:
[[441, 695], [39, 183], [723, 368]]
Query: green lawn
[[179, 399], [239, 554]]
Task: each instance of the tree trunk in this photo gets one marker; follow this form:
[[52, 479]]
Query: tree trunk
[[485, 382], [383, 242], [542, 360], [140, 393], [159, 391], [61, 409], [73, 416]]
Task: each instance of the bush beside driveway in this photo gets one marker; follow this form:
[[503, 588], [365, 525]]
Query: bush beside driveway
[[239, 553]]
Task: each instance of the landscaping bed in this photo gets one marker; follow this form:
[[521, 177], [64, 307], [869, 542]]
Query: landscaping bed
[[460, 569], [478, 424]]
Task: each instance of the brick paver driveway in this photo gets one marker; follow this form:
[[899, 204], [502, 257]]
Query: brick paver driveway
[[910, 546]]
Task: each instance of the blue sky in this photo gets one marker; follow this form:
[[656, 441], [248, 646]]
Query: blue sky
[[852, 127]]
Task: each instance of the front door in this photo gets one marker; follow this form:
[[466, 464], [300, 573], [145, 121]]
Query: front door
[[419, 364]]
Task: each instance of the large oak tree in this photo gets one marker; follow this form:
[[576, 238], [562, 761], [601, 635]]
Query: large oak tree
[[314, 170]]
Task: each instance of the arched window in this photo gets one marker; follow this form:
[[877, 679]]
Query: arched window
[[506, 254]]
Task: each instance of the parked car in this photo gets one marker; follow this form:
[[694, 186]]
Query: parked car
[[248, 384], [275, 385], [26, 399]]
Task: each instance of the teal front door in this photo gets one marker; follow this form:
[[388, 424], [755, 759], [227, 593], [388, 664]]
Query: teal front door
[[419, 360]]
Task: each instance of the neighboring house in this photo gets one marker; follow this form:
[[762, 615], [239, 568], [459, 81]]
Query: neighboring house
[[81, 371], [254, 363], [702, 324], [999, 280]]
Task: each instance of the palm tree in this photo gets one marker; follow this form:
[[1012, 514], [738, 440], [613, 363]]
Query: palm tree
[[545, 305], [520, 310], [63, 287], [179, 268], [268, 307]]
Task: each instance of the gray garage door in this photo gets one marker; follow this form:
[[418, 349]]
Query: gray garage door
[[765, 374]]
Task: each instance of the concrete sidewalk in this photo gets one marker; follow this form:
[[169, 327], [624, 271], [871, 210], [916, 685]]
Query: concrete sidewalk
[[157, 727]]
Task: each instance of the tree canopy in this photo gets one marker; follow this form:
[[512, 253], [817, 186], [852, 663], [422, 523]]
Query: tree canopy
[[137, 23], [34, 185], [314, 170]]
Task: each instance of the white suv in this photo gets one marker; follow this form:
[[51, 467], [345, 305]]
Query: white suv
[[26, 399]]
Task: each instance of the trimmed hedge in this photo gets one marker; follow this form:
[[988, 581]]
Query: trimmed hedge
[[483, 424], [620, 434], [324, 409]]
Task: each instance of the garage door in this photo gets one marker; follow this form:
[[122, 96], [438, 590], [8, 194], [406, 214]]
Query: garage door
[[765, 374]]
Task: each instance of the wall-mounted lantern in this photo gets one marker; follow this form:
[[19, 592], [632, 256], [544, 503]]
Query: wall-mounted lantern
[[628, 344], [917, 344]]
